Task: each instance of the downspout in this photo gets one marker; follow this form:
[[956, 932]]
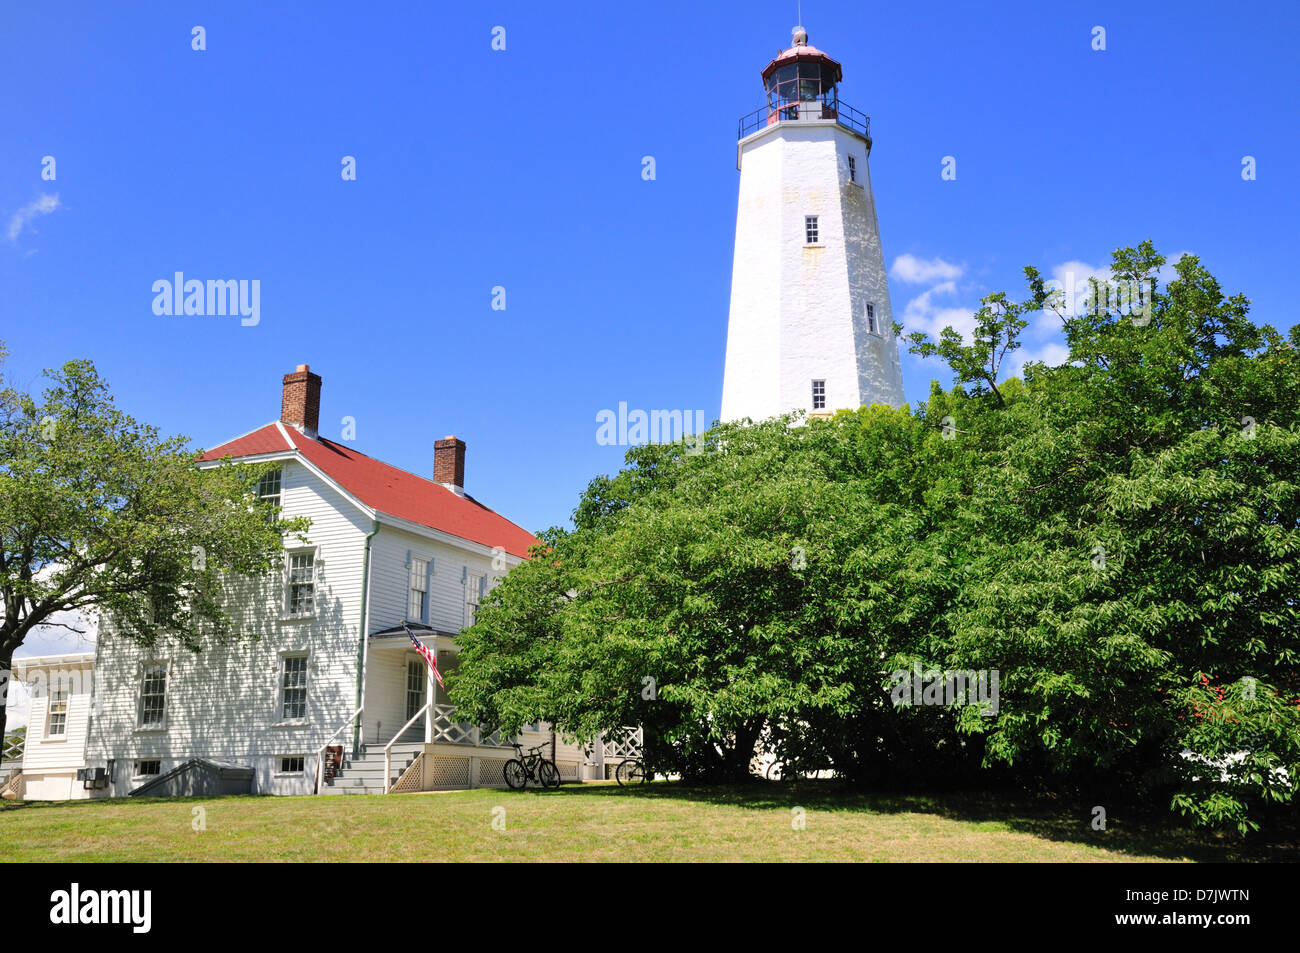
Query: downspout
[[361, 644]]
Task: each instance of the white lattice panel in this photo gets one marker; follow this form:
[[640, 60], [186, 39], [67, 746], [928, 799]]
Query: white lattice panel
[[447, 772], [568, 770], [14, 787], [491, 773], [412, 778], [624, 744]]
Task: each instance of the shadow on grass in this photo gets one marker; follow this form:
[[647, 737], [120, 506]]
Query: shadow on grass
[[1129, 832]]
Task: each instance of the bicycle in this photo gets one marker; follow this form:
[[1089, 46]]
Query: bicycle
[[781, 771], [532, 766], [631, 771]]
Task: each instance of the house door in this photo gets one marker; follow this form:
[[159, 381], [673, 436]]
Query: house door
[[416, 675], [447, 662]]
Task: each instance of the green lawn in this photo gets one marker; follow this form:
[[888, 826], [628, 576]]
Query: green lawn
[[657, 822]]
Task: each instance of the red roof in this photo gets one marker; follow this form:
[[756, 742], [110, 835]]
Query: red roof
[[386, 488]]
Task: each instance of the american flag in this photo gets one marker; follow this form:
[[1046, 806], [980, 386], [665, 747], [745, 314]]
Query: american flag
[[425, 654]]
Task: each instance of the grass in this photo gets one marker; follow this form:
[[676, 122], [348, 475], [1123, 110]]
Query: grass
[[597, 822]]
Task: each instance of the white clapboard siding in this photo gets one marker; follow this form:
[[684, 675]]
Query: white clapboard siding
[[391, 552], [224, 702], [386, 695], [390, 577], [41, 753]]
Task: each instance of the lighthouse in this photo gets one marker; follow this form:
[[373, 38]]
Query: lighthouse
[[811, 325]]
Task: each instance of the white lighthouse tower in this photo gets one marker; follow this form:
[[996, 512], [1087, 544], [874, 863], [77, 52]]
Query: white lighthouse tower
[[810, 325]]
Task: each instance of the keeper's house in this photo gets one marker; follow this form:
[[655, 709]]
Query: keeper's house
[[330, 695]]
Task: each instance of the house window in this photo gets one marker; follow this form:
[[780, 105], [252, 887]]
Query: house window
[[819, 395], [872, 325], [302, 583], [416, 681], [292, 763], [418, 610], [853, 169], [293, 688], [148, 768], [473, 592], [810, 229], [268, 490], [57, 724], [153, 696]]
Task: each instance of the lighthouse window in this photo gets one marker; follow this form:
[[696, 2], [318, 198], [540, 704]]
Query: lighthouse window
[[853, 169], [810, 228], [819, 395], [872, 324]]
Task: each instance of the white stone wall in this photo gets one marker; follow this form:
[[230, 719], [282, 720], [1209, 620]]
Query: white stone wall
[[798, 312]]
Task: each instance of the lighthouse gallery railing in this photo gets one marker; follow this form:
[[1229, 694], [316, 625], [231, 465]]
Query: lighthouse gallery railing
[[825, 108]]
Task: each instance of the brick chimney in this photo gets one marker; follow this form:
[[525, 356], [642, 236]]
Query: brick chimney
[[449, 464], [300, 401]]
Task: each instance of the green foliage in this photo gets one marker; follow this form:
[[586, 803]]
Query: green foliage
[[1118, 537], [98, 512]]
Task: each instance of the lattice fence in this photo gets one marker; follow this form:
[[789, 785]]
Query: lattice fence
[[412, 778], [568, 770], [447, 772]]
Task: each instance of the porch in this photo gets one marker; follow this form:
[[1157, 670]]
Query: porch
[[410, 738]]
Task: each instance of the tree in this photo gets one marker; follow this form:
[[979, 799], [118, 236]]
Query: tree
[[1131, 540], [100, 513], [1117, 538]]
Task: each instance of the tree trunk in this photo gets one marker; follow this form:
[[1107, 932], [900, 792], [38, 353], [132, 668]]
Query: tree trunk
[[6, 686]]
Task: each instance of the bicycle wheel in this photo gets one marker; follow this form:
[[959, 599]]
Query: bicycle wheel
[[626, 772], [516, 774], [775, 771], [549, 775]]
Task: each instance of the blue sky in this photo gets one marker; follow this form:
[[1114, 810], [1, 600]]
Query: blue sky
[[522, 169]]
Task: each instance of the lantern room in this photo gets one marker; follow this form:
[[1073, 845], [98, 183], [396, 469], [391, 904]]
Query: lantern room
[[801, 74]]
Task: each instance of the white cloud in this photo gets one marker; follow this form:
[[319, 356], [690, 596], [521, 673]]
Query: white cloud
[[41, 206], [917, 271], [923, 314], [1053, 353]]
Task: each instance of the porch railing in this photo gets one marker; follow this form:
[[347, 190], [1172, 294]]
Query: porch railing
[[12, 749], [320, 752], [443, 729], [447, 730]]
